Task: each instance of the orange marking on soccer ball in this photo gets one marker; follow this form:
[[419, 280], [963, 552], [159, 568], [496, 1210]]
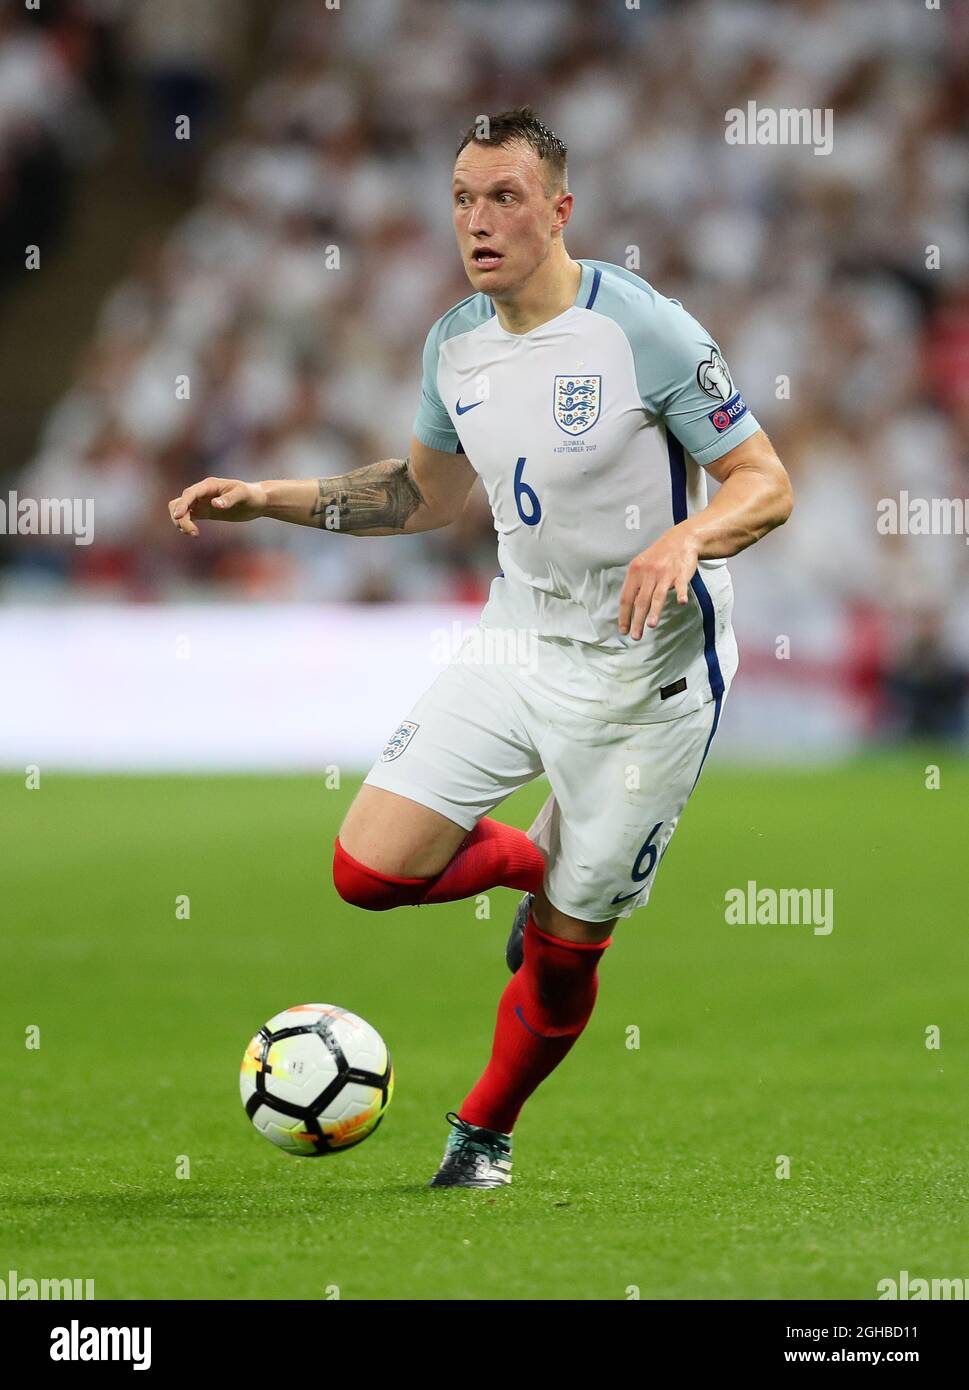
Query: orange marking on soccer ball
[[345, 1128]]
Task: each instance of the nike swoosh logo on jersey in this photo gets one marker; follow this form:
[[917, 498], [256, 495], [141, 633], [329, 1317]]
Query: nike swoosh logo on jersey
[[624, 897], [463, 409]]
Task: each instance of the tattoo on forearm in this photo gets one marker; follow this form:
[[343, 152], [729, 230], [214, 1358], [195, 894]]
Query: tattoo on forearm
[[380, 495]]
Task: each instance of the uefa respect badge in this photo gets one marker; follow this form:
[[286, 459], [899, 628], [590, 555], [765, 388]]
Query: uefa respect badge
[[729, 413]]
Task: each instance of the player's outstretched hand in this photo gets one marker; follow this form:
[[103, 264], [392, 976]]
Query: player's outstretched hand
[[669, 564], [216, 499]]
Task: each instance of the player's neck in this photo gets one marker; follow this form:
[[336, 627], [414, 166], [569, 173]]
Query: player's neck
[[546, 294]]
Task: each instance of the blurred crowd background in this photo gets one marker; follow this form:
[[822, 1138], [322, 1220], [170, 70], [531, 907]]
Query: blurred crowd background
[[309, 248]]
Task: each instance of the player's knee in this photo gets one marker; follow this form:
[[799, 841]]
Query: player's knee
[[364, 887]]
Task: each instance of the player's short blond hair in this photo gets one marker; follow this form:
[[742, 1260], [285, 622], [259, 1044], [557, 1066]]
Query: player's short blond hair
[[522, 124]]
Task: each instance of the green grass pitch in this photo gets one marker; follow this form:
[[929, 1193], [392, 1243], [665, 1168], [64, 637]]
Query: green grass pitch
[[650, 1168]]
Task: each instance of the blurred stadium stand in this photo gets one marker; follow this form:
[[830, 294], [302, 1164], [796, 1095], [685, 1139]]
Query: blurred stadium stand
[[316, 129]]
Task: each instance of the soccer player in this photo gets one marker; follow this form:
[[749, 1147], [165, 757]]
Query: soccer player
[[592, 408]]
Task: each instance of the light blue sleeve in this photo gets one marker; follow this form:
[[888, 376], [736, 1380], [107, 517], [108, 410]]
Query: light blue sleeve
[[433, 425], [687, 384], [681, 375]]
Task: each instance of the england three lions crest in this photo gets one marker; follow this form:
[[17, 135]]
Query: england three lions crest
[[399, 740], [575, 402]]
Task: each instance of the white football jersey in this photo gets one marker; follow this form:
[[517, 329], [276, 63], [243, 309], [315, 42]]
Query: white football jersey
[[589, 433]]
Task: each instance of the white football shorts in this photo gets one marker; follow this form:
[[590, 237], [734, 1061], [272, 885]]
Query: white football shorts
[[494, 720]]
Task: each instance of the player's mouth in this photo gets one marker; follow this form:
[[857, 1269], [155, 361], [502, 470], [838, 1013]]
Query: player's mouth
[[486, 257]]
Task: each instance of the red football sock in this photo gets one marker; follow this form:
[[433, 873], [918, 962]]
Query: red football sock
[[542, 1012], [362, 886], [493, 856]]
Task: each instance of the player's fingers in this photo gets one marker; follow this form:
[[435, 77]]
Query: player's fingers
[[196, 500], [230, 497], [199, 494], [663, 586], [682, 586], [182, 517], [641, 607], [628, 597]]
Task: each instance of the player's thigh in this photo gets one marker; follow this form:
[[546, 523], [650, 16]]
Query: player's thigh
[[396, 835], [618, 792], [462, 749]]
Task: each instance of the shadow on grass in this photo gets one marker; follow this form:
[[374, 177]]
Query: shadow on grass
[[271, 1200]]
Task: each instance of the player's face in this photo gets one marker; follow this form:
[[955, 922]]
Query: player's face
[[504, 216]]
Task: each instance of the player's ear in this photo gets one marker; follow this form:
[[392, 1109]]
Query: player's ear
[[563, 211]]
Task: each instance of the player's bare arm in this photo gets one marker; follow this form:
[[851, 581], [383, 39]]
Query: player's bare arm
[[393, 497], [755, 496]]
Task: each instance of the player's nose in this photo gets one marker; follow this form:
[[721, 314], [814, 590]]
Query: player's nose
[[477, 221]]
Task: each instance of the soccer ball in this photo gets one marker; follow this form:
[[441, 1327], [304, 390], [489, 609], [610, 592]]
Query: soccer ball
[[316, 1080]]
